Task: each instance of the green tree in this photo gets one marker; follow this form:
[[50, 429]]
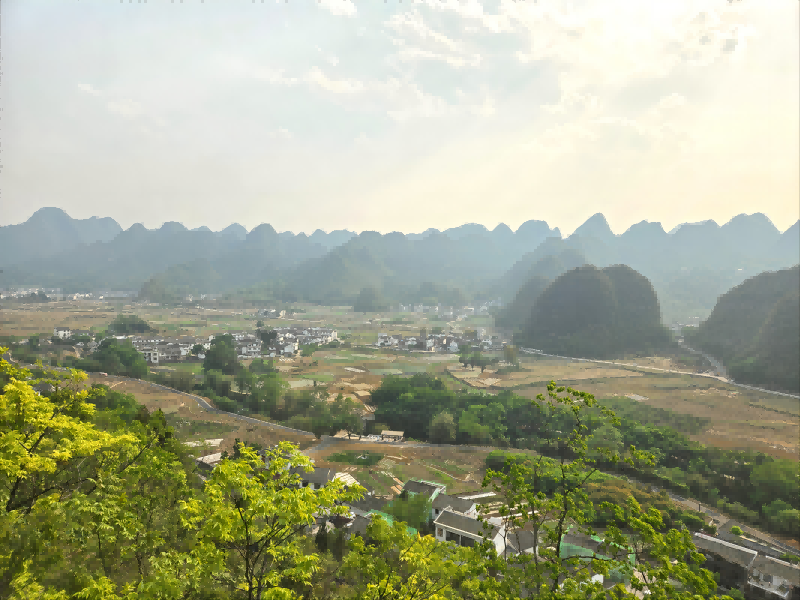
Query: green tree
[[511, 354], [75, 498], [548, 499], [259, 323], [221, 356], [309, 349], [391, 563], [442, 429], [412, 509], [251, 518], [268, 336], [128, 325], [346, 414], [220, 383], [117, 357], [604, 439], [198, 349]]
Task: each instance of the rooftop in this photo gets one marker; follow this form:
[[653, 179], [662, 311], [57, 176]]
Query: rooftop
[[442, 501], [731, 552], [461, 524]]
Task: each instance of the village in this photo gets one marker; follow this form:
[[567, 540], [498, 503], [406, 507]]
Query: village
[[469, 518], [287, 341]]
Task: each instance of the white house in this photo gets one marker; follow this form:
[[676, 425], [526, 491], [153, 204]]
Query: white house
[[443, 502], [62, 332]]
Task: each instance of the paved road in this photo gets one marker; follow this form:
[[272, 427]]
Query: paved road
[[718, 366], [720, 378]]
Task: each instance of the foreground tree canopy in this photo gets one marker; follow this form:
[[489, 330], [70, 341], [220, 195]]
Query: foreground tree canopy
[[98, 500]]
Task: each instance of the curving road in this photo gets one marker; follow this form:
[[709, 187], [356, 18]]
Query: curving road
[[717, 365], [202, 402]]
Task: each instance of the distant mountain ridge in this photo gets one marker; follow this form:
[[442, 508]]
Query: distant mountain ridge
[[689, 268], [50, 231]]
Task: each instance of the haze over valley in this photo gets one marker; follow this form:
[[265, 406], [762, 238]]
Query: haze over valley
[[400, 300]]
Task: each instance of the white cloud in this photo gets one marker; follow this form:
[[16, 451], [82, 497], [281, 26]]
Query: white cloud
[[439, 46], [239, 67], [125, 108], [335, 86], [85, 87], [282, 133], [339, 7]]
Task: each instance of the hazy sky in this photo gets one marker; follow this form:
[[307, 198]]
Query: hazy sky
[[361, 114]]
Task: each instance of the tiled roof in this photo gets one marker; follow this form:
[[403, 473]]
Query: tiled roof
[[520, 541], [777, 568], [442, 501], [418, 487], [731, 552], [462, 524], [318, 475]]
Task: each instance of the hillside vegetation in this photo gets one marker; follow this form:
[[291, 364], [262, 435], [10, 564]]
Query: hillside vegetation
[[109, 504], [531, 279], [754, 330], [596, 313]]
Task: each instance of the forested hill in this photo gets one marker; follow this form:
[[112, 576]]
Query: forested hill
[[755, 330], [530, 280], [596, 313]]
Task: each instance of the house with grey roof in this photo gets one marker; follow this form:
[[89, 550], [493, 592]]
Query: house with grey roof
[[315, 479], [431, 489], [773, 579], [444, 502], [454, 527], [732, 562]]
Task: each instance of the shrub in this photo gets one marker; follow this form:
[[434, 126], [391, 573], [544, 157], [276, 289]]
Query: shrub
[[710, 529], [736, 530], [692, 521]]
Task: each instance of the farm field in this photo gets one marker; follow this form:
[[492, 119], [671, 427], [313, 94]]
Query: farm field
[[738, 418], [193, 423], [460, 468], [24, 320]]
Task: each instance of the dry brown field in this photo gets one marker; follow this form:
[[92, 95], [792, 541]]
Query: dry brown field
[[31, 319], [740, 418]]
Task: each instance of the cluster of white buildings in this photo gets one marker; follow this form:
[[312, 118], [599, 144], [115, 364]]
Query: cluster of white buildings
[[440, 342], [302, 336], [20, 293], [449, 312], [157, 349]]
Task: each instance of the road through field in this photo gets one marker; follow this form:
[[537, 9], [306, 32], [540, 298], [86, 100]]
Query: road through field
[[635, 366]]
